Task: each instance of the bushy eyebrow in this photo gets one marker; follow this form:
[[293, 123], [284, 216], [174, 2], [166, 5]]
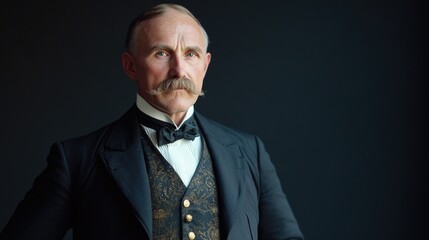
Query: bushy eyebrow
[[167, 48]]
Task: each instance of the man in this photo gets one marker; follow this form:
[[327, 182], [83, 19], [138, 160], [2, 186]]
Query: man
[[162, 171]]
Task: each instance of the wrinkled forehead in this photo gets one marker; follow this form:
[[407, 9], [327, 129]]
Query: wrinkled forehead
[[170, 22]]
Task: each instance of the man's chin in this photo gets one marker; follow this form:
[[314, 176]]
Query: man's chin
[[175, 103]]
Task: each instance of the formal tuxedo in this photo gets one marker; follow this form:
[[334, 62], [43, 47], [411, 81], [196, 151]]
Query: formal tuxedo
[[98, 185]]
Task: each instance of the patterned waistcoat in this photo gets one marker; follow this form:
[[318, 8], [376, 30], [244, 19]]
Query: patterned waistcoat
[[181, 212]]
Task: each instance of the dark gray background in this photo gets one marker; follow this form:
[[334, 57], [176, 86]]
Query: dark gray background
[[336, 89]]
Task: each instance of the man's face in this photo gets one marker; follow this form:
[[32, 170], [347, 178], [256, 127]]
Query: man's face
[[169, 46]]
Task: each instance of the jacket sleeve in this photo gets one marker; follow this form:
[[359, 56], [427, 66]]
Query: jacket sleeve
[[45, 212], [276, 219]]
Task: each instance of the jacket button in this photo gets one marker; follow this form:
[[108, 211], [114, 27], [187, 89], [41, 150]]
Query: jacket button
[[191, 235], [186, 203], [188, 218]]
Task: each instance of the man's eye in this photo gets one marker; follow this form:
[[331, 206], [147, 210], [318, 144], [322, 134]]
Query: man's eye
[[161, 54], [191, 54]]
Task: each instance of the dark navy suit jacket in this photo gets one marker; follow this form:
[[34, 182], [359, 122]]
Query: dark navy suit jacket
[[98, 185]]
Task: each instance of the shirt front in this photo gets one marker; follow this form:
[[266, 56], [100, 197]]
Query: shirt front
[[183, 155]]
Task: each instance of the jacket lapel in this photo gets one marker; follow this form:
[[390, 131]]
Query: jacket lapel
[[229, 164], [124, 159]]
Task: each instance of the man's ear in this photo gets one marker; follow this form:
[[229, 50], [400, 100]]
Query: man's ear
[[208, 58], [129, 65]]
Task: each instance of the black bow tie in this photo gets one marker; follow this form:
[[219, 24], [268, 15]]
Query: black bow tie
[[165, 132], [187, 131]]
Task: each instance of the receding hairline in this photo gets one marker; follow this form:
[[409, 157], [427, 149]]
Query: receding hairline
[[155, 12]]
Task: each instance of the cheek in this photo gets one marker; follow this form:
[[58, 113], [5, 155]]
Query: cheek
[[199, 74], [155, 73]]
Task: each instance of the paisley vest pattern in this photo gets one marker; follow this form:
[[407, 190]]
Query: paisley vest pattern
[[181, 212]]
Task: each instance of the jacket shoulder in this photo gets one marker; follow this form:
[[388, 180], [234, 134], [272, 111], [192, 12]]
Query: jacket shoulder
[[81, 153], [127, 123], [212, 127]]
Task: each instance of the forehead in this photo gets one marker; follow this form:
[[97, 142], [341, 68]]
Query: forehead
[[170, 26]]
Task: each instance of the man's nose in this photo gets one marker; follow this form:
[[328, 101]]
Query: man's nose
[[177, 67]]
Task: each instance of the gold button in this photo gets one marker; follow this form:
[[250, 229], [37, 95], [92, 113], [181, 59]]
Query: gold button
[[191, 235], [186, 203], [188, 217]]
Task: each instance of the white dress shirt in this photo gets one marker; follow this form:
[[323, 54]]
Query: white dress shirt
[[183, 155]]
